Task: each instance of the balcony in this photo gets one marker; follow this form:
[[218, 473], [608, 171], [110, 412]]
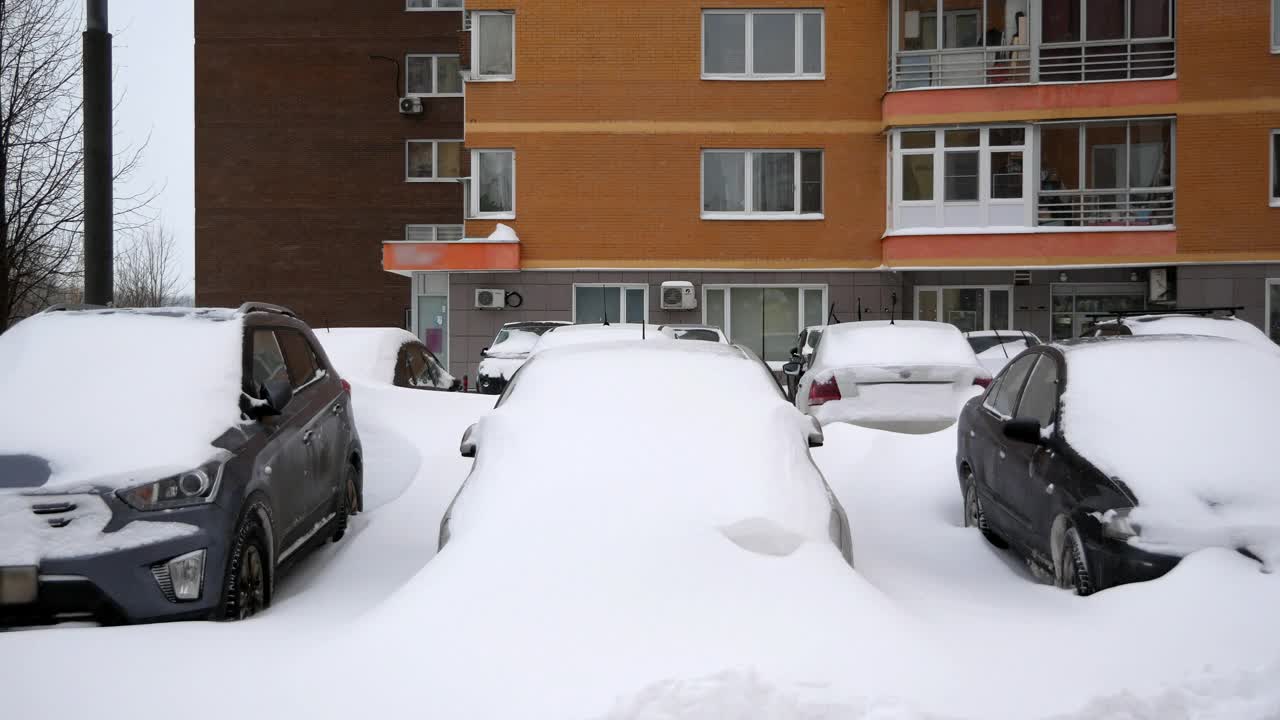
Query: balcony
[[941, 43], [1105, 208]]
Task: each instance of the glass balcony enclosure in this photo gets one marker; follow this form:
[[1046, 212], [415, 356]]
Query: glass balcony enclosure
[[945, 43]]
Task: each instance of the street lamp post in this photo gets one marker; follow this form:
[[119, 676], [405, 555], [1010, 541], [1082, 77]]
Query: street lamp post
[[98, 279]]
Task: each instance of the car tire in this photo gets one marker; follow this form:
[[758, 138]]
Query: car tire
[[247, 584], [1071, 567], [974, 516], [348, 502]]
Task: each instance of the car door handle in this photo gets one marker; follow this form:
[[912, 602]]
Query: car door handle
[[1002, 455], [308, 436]]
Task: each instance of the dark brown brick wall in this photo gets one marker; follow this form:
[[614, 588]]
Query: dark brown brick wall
[[300, 153]]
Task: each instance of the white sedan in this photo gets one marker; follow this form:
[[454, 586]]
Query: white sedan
[[678, 445], [904, 376]]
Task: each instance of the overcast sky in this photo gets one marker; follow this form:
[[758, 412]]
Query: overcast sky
[[154, 61]]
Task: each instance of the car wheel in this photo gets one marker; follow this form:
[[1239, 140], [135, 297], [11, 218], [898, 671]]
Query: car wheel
[[248, 581], [348, 503], [1071, 570], [974, 515]]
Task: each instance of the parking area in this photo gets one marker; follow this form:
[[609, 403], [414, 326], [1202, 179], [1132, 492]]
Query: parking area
[[933, 622]]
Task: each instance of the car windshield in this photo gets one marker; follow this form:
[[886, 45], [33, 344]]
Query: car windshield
[[983, 343], [697, 334], [516, 340]]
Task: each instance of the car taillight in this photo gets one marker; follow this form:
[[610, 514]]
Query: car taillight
[[346, 387], [982, 382], [823, 392]]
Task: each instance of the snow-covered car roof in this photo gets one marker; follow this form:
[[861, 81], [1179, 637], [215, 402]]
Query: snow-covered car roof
[[594, 333], [1186, 422], [1178, 324], [367, 354], [900, 342], [636, 442], [110, 398], [694, 331]]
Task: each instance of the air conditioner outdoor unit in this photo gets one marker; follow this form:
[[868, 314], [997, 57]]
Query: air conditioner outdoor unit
[[491, 299], [678, 295], [410, 106]]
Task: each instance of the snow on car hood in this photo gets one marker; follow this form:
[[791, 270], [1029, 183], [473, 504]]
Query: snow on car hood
[[114, 398], [500, 367], [365, 353], [629, 460], [27, 538], [1189, 424]]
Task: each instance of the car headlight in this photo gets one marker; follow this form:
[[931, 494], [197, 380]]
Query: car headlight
[[193, 487], [1117, 525]]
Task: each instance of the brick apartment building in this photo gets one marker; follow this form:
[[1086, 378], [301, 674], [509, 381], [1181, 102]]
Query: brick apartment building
[[992, 163]]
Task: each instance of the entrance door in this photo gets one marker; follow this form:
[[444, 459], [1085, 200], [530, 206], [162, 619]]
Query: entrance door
[[968, 308], [433, 324]]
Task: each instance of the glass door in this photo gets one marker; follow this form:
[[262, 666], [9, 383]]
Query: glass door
[[1075, 306], [433, 325], [968, 308]]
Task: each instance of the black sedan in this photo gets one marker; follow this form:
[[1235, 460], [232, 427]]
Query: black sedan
[[1063, 483]]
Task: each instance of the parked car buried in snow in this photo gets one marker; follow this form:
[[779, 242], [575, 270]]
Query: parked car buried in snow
[[1104, 461], [386, 356], [205, 451], [748, 478], [507, 353], [802, 355], [995, 348], [706, 333], [903, 376], [1176, 322]]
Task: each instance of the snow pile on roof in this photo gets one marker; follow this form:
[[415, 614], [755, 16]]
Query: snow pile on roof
[[1190, 425], [116, 398], [743, 456], [903, 342], [595, 333], [503, 233], [1224, 327], [366, 353]]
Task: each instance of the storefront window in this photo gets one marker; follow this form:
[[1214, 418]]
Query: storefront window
[[968, 308], [1273, 309], [765, 319], [609, 303]]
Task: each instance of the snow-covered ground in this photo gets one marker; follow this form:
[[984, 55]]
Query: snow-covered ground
[[933, 623]]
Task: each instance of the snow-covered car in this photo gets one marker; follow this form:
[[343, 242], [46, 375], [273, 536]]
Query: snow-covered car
[[706, 333], [386, 355], [1178, 323], [508, 351], [995, 348], [593, 333], [1104, 461], [802, 353], [905, 376], [206, 450], [744, 473]]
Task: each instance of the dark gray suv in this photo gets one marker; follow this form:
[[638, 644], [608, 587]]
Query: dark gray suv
[[126, 525]]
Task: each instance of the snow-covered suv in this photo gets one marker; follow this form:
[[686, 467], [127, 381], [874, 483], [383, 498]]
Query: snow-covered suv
[[165, 464]]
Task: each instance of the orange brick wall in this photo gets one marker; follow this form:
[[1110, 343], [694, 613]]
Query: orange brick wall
[[600, 194]]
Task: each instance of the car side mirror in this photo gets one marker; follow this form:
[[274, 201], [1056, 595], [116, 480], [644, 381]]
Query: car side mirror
[[792, 369], [816, 437], [468, 445], [275, 395], [795, 353], [1025, 430], [484, 351]]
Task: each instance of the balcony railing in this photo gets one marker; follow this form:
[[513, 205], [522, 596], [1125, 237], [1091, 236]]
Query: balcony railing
[[1047, 63], [1105, 208]]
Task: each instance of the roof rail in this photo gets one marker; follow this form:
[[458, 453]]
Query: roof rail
[[69, 307], [1204, 311], [252, 307]]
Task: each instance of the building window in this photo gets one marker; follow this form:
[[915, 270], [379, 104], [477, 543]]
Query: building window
[[765, 318], [762, 44], [986, 42], [1110, 173], [961, 177], [493, 46], [432, 75], [433, 160], [968, 308], [764, 184], [1273, 309], [493, 186], [1275, 26], [432, 233], [610, 303], [433, 5], [1275, 166]]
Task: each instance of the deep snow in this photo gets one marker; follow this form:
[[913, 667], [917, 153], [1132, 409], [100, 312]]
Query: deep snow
[[934, 623]]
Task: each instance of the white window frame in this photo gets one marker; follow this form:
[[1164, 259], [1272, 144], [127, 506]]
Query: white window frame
[[986, 301], [749, 60], [800, 308], [1269, 308], [435, 161], [1274, 175], [748, 189], [622, 299], [939, 152], [1275, 27], [473, 187], [435, 75], [434, 7], [474, 75], [434, 230]]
